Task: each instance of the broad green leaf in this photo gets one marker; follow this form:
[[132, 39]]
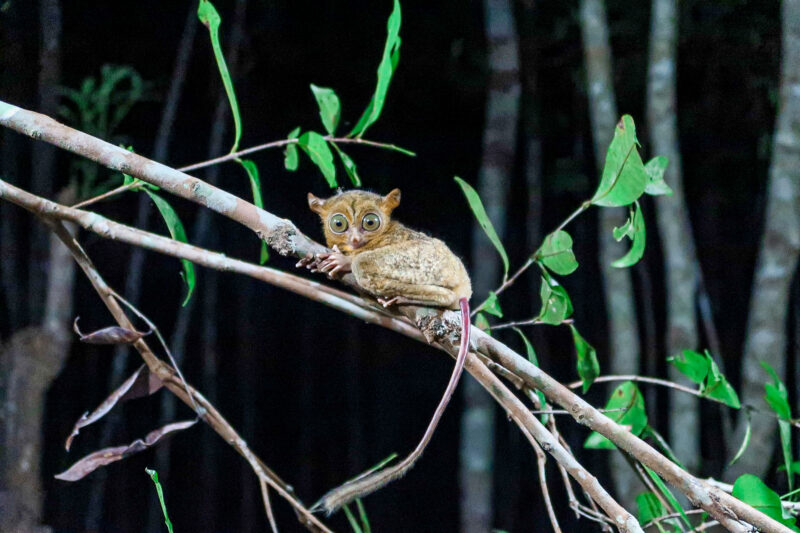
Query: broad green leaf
[[662, 487], [655, 168], [633, 229], [320, 154], [177, 232], [691, 364], [745, 441], [349, 166], [662, 443], [482, 323], [556, 253], [649, 507], [794, 468], [716, 386], [210, 18], [255, 185], [533, 359], [556, 305], [778, 399], [625, 407], [154, 476], [754, 492], [329, 107], [588, 366], [624, 177], [478, 210], [492, 305], [290, 158], [386, 68]]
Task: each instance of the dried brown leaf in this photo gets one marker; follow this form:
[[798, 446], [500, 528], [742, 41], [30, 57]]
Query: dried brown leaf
[[109, 335], [95, 460], [141, 383]]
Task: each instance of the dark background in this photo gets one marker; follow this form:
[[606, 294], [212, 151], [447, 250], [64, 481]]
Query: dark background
[[318, 395]]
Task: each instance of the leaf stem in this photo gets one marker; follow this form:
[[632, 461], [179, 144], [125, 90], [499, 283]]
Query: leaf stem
[[107, 194], [532, 322]]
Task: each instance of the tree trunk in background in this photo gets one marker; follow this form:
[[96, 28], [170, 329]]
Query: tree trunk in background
[[777, 257], [623, 337], [43, 155], [29, 363], [499, 141], [133, 281], [673, 224]]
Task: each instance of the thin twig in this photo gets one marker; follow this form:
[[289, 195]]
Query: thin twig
[[107, 194], [267, 504], [531, 322]]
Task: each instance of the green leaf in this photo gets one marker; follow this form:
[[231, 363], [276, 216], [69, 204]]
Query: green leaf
[[746, 441], [716, 386], [329, 107], [535, 361], [777, 398], [556, 305], [556, 253], [386, 68], [691, 364], [255, 185], [154, 476], [633, 229], [625, 407], [210, 18], [349, 166], [482, 323], [351, 519], [755, 493], [320, 154], [624, 177], [177, 232], [649, 507], [491, 305], [662, 487], [290, 158], [479, 211], [588, 366], [362, 513], [655, 168]]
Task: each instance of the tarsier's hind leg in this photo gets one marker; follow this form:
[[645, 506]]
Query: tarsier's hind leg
[[414, 294]]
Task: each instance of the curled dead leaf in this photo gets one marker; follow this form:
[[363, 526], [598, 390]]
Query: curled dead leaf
[[109, 335]]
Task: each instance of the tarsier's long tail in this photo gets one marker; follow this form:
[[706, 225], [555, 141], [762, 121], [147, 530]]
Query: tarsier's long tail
[[370, 482]]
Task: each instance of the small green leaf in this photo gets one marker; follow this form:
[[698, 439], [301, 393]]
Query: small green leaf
[[290, 158], [716, 386], [482, 323], [535, 361], [255, 185], [556, 253], [625, 407], [556, 305], [478, 210], [491, 305], [751, 490], [588, 366], [662, 487], [633, 229], [177, 232], [655, 168], [329, 107], [154, 476], [386, 68], [320, 154], [777, 398], [349, 166], [691, 364], [210, 18], [624, 177], [746, 441], [649, 507]]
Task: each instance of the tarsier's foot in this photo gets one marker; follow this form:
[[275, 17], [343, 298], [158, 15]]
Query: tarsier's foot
[[335, 263], [311, 262], [400, 300]]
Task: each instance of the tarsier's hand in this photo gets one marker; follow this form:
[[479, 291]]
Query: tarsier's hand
[[335, 264], [311, 262]]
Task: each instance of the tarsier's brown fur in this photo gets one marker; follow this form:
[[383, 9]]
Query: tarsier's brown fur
[[398, 266]]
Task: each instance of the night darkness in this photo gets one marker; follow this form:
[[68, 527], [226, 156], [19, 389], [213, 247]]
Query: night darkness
[[318, 395]]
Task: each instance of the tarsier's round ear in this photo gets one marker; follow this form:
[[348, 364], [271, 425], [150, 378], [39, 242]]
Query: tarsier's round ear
[[316, 204], [391, 200]]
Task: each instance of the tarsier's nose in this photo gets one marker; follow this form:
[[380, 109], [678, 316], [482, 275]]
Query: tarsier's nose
[[356, 239]]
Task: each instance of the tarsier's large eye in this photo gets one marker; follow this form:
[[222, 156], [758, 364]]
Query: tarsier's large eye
[[338, 223], [371, 222]]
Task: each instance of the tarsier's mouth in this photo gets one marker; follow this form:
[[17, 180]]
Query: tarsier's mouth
[[356, 246]]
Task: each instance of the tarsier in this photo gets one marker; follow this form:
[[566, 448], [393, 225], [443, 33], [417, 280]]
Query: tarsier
[[398, 266]]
